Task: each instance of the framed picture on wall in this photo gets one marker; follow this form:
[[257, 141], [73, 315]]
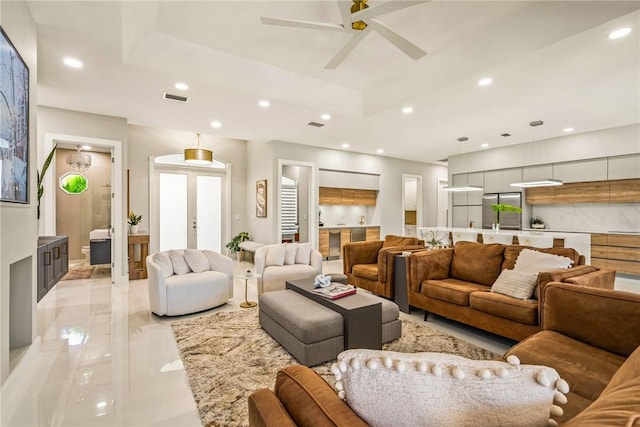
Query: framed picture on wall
[[14, 124], [261, 198]]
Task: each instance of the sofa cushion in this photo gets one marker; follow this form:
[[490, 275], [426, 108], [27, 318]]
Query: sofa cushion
[[530, 261], [391, 240], [451, 290], [511, 253], [367, 271], [515, 284], [163, 260], [303, 254], [290, 253], [506, 307], [387, 388], [180, 266], [275, 255], [587, 369], [196, 260], [476, 262], [629, 369]]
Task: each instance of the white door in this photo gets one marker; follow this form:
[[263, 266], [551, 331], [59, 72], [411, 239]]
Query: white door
[[190, 209]]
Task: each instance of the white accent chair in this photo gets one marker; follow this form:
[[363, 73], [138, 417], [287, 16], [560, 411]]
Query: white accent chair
[[280, 262], [542, 241], [188, 281]]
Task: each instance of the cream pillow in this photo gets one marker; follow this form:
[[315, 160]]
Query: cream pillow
[[275, 255], [303, 255], [386, 388], [196, 260], [179, 264], [163, 260], [530, 261], [516, 284], [290, 255]]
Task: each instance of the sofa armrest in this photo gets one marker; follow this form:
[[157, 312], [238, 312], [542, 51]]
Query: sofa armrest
[[360, 253], [603, 278], [602, 318], [265, 410], [386, 260], [259, 259], [425, 265], [157, 287], [315, 260]]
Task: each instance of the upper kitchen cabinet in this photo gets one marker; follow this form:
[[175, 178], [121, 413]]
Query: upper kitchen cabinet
[[348, 188], [347, 196], [355, 180], [624, 167], [582, 171], [499, 181]]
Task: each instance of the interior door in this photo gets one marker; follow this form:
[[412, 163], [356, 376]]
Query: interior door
[[190, 209]]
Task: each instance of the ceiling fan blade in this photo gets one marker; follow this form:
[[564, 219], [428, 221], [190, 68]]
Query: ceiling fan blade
[[396, 39], [345, 13], [337, 60], [383, 8], [304, 24]]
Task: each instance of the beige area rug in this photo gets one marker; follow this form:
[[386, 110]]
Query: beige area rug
[[79, 272], [227, 356]]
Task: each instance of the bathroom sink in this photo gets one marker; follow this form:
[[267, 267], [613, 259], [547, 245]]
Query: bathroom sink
[[99, 233]]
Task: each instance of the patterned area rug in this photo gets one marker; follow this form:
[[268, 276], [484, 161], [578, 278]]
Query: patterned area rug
[[227, 356], [79, 272]]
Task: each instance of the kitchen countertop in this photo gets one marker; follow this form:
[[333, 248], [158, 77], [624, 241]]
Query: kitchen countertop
[[348, 226]]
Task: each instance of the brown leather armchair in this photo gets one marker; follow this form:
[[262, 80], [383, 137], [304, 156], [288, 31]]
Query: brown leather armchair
[[369, 265]]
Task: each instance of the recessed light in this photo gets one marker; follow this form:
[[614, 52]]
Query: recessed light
[[85, 147], [379, 151], [485, 82], [326, 117], [216, 124], [620, 33], [264, 103], [567, 130], [181, 86], [485, 145], [73, 62], [407, 110], [345, 145]]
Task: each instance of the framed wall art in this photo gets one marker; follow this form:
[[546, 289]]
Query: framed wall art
[[14, 124], [261, 198]]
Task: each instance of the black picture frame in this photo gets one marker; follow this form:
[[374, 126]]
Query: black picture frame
[[14, 123]]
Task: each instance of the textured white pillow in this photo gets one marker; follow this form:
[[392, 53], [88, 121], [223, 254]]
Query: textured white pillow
[[303, 255], [196, 260], [290, 255], [180, 266], [534, 262], [516, 284], [386, 388], [275, 255], [163, 260]]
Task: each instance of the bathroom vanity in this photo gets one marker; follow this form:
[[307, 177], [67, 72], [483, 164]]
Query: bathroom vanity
[[53, 262], [100, 243]]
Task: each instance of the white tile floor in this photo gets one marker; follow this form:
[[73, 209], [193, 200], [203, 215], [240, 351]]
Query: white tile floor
[[105, 360]]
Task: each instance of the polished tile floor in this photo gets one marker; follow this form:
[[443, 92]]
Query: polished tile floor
[[105, 360]]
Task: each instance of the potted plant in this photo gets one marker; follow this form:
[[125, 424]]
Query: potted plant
[[432, 240], [501, 207], [537, 222], [134, 220], [234, 244]]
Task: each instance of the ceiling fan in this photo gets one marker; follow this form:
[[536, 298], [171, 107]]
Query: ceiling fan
[[358, 19]]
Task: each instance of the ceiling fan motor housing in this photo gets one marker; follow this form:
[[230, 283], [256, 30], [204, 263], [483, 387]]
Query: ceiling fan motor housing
[[357, 6]]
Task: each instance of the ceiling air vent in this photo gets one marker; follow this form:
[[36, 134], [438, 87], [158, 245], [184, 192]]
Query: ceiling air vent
[[316, 124], [175, 97], [505, 134]]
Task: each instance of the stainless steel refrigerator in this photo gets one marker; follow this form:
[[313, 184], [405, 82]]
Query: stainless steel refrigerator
[[508, 220]]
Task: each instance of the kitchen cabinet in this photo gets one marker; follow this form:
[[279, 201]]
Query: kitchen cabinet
[[624, 167], [499, 181], [324, 237], [323, 242], [53, 262], [584, 170], [373, 233], [613, 191], [347, 196], [340, 179], [620, 252], [345, 237]]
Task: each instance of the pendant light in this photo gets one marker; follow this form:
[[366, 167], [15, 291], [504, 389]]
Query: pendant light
[[542, 182], [198, 156], [463, 188]]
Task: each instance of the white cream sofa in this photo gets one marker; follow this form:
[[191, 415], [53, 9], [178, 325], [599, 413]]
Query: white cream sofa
[[285, 261], [183, 281]]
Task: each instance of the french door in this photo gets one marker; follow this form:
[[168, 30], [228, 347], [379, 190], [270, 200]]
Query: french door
[[190, 209]]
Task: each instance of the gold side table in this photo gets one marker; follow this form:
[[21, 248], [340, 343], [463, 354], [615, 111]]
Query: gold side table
[[246, 303]]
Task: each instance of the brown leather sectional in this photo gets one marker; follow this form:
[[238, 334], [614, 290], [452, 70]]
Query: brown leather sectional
[[455, 283]]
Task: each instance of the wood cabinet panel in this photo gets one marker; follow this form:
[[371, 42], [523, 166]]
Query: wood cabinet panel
[[624, 254], [615, 191], [620, 252], [323, 242], [629, 240], [330, 196], [598, 251], [372, 233], [347, 197], [365, 197], [624, 191], [599, 239], [627, 267], [345, 237]]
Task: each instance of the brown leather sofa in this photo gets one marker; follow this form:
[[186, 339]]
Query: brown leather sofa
[[591, 337], [369, 265], [455, 283]]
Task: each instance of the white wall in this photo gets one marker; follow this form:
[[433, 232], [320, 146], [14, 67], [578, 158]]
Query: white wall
[[18, 225], [389, 210]]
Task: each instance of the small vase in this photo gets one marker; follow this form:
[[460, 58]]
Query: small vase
[[497, 230], [134, 229]]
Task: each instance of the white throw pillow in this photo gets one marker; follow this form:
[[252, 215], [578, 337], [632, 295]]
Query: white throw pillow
[[290, 256], [386, 388], [163, 260], [196, 260], [516, 284], [275, 255], [534, 262], [180, 266], [303, 255]]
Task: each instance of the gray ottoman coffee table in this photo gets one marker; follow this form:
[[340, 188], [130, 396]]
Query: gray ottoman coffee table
[[315, 330]]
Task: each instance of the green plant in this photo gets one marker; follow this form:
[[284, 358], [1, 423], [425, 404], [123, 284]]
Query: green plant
[[40, 175], [234, 244], [134, 219], [501, 207], [536, 220], [431, 238]]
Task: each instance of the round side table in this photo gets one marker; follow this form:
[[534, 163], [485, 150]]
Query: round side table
[[246, 303]]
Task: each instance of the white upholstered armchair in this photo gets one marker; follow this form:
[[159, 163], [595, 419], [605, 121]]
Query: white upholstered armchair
[[188, 281], [281, 262]]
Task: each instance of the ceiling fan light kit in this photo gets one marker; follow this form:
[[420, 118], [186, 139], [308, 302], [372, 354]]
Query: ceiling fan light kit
[[358, 18]]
